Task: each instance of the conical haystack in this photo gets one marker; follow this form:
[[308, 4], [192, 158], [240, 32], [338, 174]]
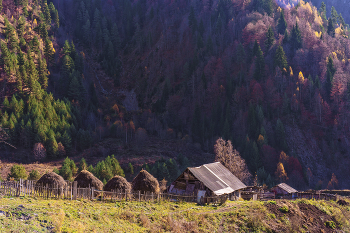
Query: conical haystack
[[86, 179], [52, 180], [118, 183], [145, 182]]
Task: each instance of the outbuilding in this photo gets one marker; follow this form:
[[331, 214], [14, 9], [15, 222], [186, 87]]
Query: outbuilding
[[284, 190], [208, 180]]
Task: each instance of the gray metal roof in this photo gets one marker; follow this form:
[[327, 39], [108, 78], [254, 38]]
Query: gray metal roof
[[286, 188], [217, 178]]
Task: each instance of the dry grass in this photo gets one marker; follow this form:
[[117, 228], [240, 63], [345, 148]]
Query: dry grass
[[58, 220]]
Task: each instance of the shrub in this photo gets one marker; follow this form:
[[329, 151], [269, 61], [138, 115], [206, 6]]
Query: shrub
[[284, 209], [55, 170], [17, 172], [330, 224], [34, 175]]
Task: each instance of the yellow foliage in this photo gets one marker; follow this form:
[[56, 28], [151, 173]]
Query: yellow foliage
[[35, 23], [301, 77], [290, 71], [339, 31], [279, 9], [318, 19], [283, 157], [318, 34], [307, 7], [261, 139], [297, 88], [281, 173]]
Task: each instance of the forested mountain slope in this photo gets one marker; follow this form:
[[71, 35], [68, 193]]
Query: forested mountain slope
[[273, 80]]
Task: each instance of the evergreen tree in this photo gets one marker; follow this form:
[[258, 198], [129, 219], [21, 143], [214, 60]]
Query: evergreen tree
[[323, 11], [280, 58], [280, 135], [331, 28], [296, 39], [82, 165], [334, 16], [281, 24], [270, 38], [259, 72], [329, 76]]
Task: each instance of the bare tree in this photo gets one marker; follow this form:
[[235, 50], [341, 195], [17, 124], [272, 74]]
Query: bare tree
[[232, 160], [39, 151]]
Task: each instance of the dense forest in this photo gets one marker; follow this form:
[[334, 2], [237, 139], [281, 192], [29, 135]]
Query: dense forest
[[271, 77]]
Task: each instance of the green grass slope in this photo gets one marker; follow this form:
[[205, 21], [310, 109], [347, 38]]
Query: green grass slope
[[37, 215]]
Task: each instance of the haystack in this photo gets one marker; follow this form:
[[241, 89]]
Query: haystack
[[145, 182], [53, 180], [118, 183], [86, 179]]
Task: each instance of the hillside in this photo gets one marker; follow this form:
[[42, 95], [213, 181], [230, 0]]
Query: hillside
[[37, 215], [95, 78]]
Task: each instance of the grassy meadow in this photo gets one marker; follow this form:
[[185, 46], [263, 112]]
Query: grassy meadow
[[39, 215]]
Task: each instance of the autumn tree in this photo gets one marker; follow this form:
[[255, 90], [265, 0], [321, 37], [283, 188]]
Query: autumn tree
[[231, 159], [333, 183], [280, 173], [39, 151]]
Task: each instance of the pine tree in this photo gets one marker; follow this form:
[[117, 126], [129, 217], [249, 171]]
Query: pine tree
[[270, 38], [331, 28], [259, 72], [295, 37], [329, 76], [323, 11], [282, 24], [74, 90], [280, 58], [334, 16]]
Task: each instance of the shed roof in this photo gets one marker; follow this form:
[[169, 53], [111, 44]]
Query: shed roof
[[286, 188], [217, 178]]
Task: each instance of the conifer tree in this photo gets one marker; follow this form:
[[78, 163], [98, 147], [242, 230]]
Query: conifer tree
[[323, 11], [259, 72], [331, 28], [282, 24], [280, 58], [296, 39], [270, 38], [329, 76], [334, 16]]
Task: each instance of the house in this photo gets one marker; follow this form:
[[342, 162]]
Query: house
[[208, 180], [284, 190]]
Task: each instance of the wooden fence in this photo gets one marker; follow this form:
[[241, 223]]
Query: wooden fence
[[29, 188]]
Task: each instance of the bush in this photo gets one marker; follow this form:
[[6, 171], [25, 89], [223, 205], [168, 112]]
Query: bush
[[17, 172], [330, 224], [284, 209], [55, 170], [34, 175]]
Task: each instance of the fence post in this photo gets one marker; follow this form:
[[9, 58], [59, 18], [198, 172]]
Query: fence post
[[92, 193], [126, 197], [75, 186], [139, 195]]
